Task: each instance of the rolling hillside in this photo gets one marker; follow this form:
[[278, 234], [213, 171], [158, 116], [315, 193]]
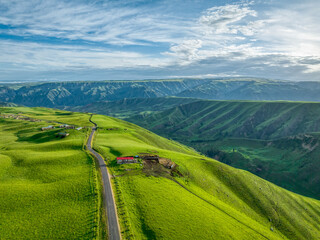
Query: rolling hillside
[[48, 185], [270, 139], [49, 189], [154, 203]]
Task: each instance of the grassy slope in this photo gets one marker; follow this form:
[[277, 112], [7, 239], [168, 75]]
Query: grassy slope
[[211, 200], [257, 120], [215, 126], [48, 186], [292, 163]]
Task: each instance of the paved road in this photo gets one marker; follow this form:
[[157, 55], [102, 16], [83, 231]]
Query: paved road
[[109, 205]]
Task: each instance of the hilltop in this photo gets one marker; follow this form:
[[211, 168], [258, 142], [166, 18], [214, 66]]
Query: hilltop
[[153, 201]]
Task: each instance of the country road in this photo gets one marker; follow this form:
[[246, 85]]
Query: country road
[[108, 199]]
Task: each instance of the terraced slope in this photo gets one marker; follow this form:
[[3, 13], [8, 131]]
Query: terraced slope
[[270, 139], [48, 184], [205, 199]]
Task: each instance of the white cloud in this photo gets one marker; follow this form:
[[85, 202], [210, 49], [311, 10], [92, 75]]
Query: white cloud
[[283, 37], [221, 19], [236, 38], [46, 56], [186, 52], [109, 23]]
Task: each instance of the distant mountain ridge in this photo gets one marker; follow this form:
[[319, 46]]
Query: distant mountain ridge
[[83, 93], [253, 89], [60, 94], [6, 104]]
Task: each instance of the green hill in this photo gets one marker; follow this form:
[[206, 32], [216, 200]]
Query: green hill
[[207, 200], [49, 187], [48, 184], [266, 138]]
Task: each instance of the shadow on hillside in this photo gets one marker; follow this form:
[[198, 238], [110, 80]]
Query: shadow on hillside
[[41, 137]]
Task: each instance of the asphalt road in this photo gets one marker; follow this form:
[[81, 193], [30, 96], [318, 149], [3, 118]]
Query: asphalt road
[[108, 199]]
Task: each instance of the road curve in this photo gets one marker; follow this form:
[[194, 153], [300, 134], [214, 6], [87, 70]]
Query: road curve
[[108, 199]]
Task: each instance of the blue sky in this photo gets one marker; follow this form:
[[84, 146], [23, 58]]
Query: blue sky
[[102, 40]]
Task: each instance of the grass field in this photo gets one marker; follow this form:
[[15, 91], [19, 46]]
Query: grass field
[[209, 201], [48, 185]]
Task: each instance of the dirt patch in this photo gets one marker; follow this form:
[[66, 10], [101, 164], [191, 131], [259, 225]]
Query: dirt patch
[[167, 163], [153, 168]]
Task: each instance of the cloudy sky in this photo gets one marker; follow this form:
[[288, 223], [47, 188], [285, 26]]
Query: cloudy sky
[[136, 39]]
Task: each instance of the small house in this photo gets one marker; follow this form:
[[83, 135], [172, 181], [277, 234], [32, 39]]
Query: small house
[[63, 134], [47, 128], [150, 157], [123, 160], [66, 126], [79, 128]]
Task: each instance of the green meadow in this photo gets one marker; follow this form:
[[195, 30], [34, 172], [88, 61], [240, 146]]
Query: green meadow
[[207, 200], [48, 185]]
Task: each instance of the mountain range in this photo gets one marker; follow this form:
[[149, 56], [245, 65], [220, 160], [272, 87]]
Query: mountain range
[[61, 94]]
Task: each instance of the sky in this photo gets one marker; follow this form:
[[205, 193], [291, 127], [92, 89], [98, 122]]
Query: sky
[[56, 40]]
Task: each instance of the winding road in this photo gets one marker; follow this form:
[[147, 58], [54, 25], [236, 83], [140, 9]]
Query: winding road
[[108, 199]]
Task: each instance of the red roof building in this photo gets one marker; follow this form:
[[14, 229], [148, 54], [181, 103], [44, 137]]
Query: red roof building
[[125, 158], [122, 160]]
